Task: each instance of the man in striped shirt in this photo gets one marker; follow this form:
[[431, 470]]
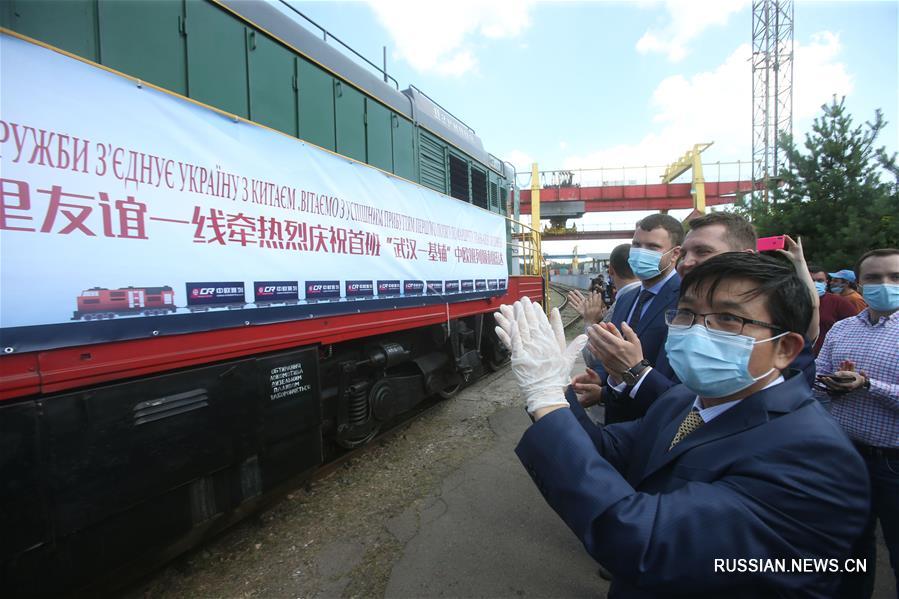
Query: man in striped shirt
[[859, 366]]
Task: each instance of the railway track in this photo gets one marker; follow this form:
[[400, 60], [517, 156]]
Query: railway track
[[569, 316]]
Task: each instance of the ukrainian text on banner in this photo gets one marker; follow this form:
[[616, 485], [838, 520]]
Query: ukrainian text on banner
[[128, 212]]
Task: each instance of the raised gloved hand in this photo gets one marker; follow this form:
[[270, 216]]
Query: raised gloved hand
[[541, 361]]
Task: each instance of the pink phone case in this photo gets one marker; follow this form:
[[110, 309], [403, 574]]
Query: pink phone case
[[766, 244]]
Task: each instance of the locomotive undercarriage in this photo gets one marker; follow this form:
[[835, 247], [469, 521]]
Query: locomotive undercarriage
[[108, 479], [376, 382]]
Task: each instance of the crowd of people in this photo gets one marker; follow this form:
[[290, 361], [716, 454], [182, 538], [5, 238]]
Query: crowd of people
[[751, 414]]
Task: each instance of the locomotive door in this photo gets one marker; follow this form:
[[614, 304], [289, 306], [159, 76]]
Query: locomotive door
[[136, 298]]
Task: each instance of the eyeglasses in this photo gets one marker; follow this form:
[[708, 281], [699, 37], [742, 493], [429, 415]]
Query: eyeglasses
[[728, 324]]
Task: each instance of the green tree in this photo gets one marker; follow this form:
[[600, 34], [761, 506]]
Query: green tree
[[833, 195]]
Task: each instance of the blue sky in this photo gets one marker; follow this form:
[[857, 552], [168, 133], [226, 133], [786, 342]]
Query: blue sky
[[612, 84]]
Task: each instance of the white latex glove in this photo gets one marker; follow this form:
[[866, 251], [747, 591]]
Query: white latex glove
[[541, 361]]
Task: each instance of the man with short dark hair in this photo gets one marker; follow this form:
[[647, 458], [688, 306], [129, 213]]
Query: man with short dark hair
[[621, 274], [859, 364], [739, 463], [713, 234], [832, 306], [641, 311], [709, 236], [591, 308]]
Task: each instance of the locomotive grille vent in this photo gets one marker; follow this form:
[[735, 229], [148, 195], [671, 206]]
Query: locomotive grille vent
[[170, 405], [459, 183], [479, 188], [433, 163]]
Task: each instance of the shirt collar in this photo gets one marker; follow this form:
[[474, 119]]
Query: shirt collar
[[658, 286], [864, 316], [708, 414]]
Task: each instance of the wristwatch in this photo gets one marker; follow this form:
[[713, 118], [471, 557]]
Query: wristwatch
[[632, 374]]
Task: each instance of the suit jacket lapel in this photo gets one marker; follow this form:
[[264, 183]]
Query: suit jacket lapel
[[617, 319], [750, 412], [658, 303]]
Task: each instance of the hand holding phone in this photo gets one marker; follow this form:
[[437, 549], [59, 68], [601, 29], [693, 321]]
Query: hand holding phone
[[842, 381], [835, 378], [769, 244]]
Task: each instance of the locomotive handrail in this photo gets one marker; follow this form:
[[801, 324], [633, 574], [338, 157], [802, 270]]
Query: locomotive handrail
[[328, 34], [529, 242]]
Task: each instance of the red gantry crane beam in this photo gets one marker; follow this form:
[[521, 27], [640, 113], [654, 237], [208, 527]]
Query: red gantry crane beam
[[655, 196]]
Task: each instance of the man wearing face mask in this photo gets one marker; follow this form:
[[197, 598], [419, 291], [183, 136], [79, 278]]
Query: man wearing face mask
[[652, 257], [618, 350], [832, 306], [728, 466], [859, 365], [842, 284]]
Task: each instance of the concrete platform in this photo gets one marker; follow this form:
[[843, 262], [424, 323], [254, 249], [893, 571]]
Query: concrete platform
[[439, 508], [487, 532]]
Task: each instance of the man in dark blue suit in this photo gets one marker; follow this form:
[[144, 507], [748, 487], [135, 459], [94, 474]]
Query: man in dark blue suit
[[709, 236], [729, 485], [653, 255]]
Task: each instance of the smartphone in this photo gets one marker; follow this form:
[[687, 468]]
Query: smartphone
[[834, 378], [767, 244]]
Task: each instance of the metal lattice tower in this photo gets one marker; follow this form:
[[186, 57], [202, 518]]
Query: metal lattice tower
[[772, 86]]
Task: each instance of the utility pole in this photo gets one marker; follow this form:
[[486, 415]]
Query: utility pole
[[772, 88]]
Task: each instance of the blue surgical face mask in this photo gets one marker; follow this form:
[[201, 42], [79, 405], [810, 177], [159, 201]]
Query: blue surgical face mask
[[837, 288], [645, 263], [821, 287], [883, 297], [712, 364]]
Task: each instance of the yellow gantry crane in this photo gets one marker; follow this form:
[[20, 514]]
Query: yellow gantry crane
[[692, 159]]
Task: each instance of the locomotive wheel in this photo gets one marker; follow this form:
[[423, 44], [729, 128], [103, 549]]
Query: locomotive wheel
[[450, 392], [494, 365], [353, 443], [496, 356]]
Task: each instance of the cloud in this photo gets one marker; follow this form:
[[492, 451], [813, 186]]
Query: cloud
[[522, 161], [817, 75], [716, 106], [686, 20], [431, 37]]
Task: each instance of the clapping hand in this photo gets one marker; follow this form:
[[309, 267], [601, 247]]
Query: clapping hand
[[591, 308], [541, 359], [588, 388], [617, 350]]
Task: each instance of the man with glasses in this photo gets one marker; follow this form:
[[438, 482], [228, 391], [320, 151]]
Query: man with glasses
[[621, 353], [723, 476]]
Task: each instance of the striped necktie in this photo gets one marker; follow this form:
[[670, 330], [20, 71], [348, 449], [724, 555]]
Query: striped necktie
[[692, 422]]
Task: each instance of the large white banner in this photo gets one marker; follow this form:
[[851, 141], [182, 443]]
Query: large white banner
[[127, 212]]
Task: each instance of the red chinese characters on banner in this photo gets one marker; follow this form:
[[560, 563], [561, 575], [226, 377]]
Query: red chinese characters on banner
[[213, 226], [403, 247], [69, 213], [437, 252]]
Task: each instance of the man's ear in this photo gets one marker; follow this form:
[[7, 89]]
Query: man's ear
[[789, 346]]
